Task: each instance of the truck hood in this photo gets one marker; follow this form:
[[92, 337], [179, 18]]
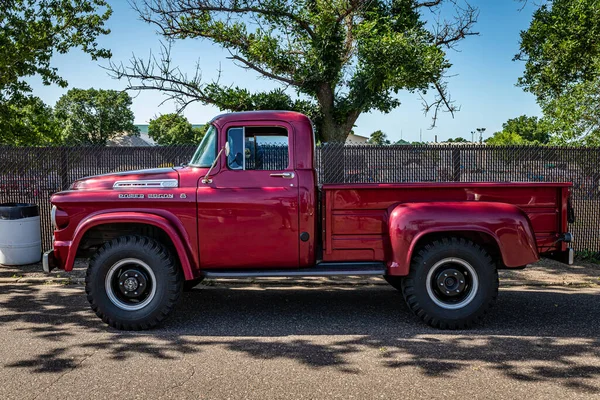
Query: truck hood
[[146, 178]]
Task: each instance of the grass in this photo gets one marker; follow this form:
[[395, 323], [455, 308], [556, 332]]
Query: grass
[[588, 256]]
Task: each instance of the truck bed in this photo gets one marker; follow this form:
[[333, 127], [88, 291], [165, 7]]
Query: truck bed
[[355, 215]]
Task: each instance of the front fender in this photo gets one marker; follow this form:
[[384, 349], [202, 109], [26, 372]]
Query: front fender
[[181, 246], [506, 224]]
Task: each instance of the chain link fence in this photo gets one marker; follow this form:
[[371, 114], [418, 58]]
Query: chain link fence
[[32, 174]]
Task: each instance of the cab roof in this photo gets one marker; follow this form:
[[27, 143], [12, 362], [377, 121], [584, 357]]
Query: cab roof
[[282, 115]]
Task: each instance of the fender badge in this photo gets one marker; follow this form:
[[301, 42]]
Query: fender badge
[[182, 196], [130, 196], [160, 196]]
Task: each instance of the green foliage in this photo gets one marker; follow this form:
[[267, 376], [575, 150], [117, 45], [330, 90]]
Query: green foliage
[[341, 57], [503, 138], [169, 129], [588, 256], [457, 140], [30, 123], [379, 138], [31, 31], [562, 68], [522, 130], [94, 116], [530, 129]]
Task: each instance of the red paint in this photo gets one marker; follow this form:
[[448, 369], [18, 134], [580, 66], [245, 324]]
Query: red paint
[[250, 219], [506, 225]]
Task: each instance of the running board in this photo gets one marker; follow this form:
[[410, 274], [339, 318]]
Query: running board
[[321, 269]]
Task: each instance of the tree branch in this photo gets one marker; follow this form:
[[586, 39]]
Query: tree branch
[[175, 8], [448, 33], [441, 103], [264, 72]]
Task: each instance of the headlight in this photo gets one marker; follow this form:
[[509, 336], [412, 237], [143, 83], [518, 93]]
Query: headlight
[[60, 219]]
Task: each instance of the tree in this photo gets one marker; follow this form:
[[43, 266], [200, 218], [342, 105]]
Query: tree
[[341, 57], [170, 129], [379, 138], [503, 138], [31, 123], [31, 31], [562, 56], [530, 129], [94, 116], [457, 140]]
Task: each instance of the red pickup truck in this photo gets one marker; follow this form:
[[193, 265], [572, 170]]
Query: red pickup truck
[[237, 211]]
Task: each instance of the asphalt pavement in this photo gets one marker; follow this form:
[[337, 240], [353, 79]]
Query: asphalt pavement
[[289, 342]]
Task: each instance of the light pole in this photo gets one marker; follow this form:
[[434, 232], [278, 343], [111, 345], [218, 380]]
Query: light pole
[[480, 130]]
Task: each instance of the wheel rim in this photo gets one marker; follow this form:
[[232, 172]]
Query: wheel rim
[[130, 284], [452, 283]]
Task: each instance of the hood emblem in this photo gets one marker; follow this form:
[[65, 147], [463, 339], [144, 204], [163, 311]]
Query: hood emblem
[[146, 183]]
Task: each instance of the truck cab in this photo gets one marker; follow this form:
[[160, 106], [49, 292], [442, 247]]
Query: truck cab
[[249, 205]]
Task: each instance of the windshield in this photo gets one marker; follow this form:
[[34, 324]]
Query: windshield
[[207, 150]]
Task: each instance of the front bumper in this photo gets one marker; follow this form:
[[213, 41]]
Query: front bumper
[[49, 262]]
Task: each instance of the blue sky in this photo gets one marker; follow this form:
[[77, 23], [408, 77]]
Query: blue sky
[[483, 85]]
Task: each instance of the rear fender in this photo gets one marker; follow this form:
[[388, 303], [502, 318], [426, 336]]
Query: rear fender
[[506, 224], [181, 246]]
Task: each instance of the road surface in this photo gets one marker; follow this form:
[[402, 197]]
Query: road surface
[[253, 342]]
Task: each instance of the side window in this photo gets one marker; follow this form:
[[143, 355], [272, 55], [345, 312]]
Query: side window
[[258, 148]]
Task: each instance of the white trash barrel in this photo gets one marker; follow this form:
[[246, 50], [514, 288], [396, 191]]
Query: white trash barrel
[[20, 235]]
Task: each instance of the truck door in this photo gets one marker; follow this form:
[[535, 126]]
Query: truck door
[[249, 216]]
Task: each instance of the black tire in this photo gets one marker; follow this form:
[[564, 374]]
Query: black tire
[[394, 281], [189, 285], [449, 263], [129, 255]]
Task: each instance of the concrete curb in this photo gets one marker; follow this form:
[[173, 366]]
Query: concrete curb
[[348, 282]]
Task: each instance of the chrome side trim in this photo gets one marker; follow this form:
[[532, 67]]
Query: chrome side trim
[[147, 183]]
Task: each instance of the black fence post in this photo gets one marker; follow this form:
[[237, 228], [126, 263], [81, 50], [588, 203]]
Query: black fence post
[[456, 164], [64, 168]]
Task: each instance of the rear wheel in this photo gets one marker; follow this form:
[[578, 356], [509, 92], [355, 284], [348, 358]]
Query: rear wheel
[[133, 283], [452, 283]]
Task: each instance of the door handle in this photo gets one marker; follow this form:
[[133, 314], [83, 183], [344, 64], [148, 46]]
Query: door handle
[[284, 175]]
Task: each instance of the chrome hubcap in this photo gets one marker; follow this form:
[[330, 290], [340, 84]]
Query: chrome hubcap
[[452, 283], [130, 284]]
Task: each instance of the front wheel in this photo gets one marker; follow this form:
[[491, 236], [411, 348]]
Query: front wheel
[[452, 283], [133, 282]]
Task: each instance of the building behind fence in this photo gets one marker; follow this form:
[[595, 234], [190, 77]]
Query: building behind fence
[[32, 174]]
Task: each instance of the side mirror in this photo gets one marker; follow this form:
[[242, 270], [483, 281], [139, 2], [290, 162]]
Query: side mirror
[[227, 149]]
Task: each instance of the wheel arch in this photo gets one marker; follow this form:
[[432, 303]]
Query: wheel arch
[[502, 229], [100, 228]]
